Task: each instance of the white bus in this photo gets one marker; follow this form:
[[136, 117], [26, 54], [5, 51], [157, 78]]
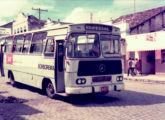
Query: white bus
[[71, 59]]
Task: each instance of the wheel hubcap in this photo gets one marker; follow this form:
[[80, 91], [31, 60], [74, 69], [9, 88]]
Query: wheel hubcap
[[50, 88]]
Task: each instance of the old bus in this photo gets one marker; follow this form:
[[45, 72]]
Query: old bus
[[71, 59]]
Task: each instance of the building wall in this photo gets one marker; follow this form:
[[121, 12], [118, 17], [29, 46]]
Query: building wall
[[160, 66], [158, 22], [163, 19], [5, 31], [33, 27], [144, 28], [134, 31], [20, 24]]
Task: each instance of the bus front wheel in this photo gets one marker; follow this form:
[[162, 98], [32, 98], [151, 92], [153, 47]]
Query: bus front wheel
[[50, 90]]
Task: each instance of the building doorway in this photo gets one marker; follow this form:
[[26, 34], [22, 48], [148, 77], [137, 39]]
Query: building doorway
[[148, 62]]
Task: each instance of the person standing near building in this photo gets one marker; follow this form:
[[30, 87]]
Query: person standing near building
[[138, 66], [133, 72], [131, 68]]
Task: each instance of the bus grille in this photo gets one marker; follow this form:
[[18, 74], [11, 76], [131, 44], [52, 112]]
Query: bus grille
[[106, 67]]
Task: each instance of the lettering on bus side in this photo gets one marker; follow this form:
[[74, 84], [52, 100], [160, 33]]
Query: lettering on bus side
[[45, 67]]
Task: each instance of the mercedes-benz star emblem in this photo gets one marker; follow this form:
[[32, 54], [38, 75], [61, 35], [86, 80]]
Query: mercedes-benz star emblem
[[102, 68]]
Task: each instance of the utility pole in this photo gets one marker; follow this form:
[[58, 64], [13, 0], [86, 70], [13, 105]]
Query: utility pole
[[134, 6], [39, 11], [91, 17]]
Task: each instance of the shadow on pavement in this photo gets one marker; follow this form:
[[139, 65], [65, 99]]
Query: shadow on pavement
[[124, 98], [14, 111], [23, 86]]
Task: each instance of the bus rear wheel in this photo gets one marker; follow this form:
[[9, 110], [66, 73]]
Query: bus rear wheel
[[50, 90], [12, 81]]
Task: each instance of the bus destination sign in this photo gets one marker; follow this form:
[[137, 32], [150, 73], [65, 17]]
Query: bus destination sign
[[98, 27]]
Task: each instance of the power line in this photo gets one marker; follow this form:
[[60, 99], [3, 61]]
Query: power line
[[39, 11]]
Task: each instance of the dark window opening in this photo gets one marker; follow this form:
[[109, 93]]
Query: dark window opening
[[163, 55]]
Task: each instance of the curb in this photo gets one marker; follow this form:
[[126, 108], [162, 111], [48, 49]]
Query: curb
[[145, 80]]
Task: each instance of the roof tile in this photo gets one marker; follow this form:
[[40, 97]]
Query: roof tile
[[139, 17]]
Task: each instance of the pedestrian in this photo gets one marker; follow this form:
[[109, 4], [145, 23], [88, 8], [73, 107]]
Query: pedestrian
[[133, 72], [129, 66], [138, 66]]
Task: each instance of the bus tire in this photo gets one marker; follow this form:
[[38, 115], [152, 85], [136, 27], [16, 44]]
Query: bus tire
[[12, 81], [49, 89]]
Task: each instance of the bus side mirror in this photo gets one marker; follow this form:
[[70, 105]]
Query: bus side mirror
[[69, 49]]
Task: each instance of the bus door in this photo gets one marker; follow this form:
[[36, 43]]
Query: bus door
[[1, 59], [59, 61]]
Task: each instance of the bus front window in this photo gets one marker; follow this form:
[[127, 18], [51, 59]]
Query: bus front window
[[84, 46], [110, 45]]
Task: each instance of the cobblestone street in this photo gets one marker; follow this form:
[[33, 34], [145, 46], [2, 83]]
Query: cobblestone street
[[139, 101]]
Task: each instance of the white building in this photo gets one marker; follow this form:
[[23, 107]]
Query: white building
[[24, 23], [5, 31]]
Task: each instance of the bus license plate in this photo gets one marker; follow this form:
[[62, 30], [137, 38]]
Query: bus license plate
[[104, 89]]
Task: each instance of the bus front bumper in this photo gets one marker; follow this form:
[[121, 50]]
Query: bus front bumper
[[94, 89]]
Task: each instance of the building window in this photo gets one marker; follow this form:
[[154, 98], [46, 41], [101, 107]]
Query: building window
[[21, 29], [24, 28], [17, 30], [163, 55]]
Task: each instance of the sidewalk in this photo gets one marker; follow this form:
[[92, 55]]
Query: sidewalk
[[146, 78]]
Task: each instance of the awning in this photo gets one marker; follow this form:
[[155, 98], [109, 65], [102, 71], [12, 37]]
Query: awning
[[146, 42]]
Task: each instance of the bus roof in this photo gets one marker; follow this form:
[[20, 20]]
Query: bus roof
[[90, 26]]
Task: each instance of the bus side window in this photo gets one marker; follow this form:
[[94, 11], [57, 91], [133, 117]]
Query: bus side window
[[50, 46], [38, 42], [8, 44], [17, 44], [26, 44]]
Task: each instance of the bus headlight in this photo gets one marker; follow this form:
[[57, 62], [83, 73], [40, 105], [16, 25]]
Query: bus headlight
[[119, 78], [80, 81]]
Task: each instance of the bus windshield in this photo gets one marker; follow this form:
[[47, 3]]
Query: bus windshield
[[83, 46], [110, 45]]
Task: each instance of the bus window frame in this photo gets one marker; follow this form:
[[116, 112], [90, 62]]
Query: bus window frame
[[6, 44], [33, 43], [114, 54], [28, 45], [14, 46], [73, 43], [50, 54]]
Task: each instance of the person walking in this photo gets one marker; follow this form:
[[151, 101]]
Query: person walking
[[133, 71], [131, 68], [138, 66]]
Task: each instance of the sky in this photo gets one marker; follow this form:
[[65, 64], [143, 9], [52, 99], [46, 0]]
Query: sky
[[75, 11]]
